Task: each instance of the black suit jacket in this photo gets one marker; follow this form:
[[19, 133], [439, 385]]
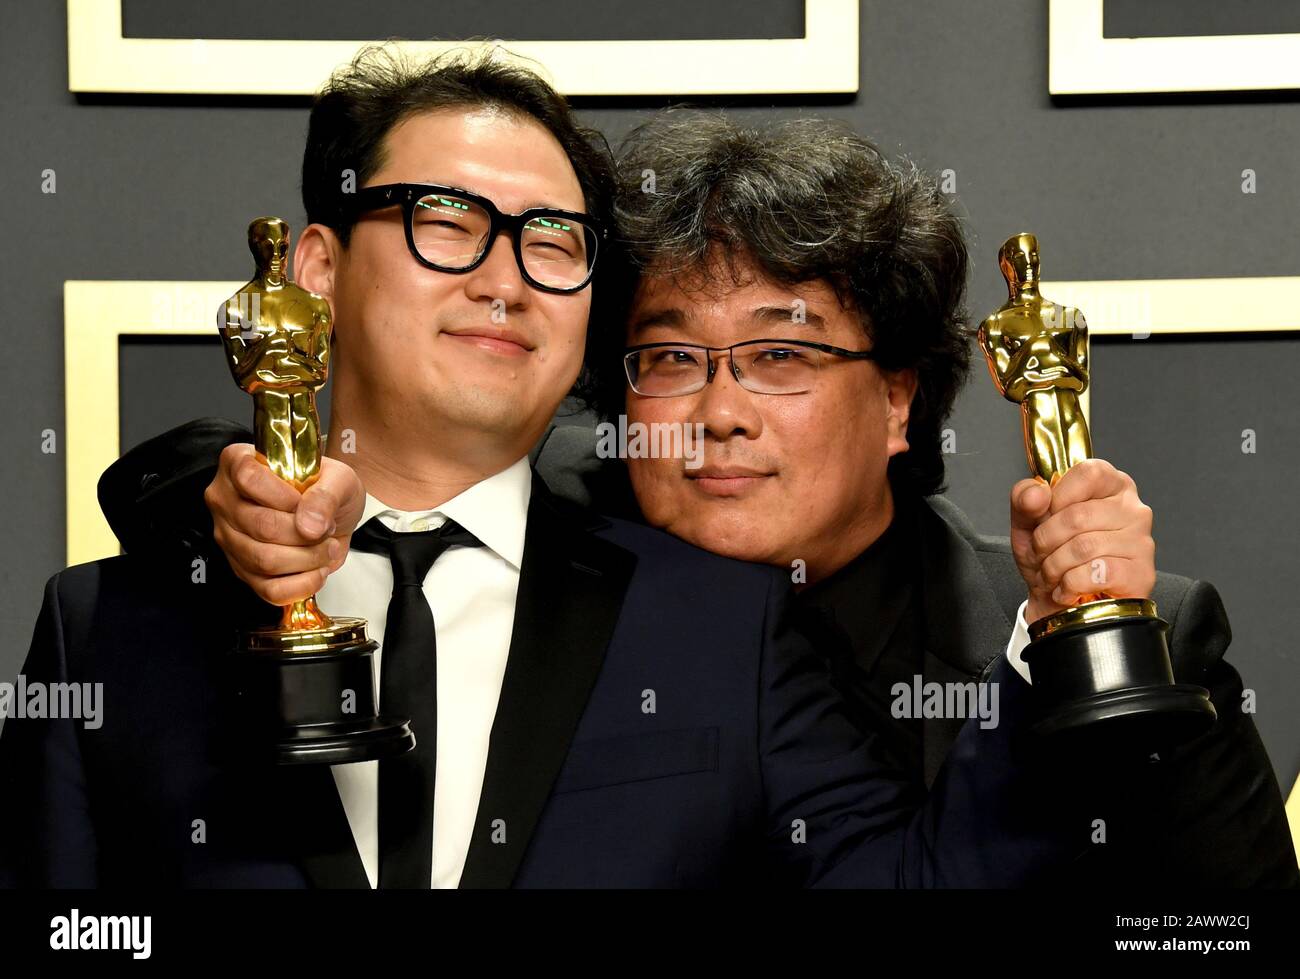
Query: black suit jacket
[[746, 771], [1209, 813]]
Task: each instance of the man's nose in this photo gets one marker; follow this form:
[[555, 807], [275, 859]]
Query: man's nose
[[725, 408], [498, 277]]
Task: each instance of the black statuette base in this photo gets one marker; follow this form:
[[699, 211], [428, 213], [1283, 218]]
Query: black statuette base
[[1108, 686], [303, 708]]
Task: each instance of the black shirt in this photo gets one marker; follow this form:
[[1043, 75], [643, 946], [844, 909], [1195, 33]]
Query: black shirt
[[866, 620]]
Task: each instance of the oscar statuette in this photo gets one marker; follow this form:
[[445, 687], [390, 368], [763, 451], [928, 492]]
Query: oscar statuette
[[306, 688], [1101, 671]]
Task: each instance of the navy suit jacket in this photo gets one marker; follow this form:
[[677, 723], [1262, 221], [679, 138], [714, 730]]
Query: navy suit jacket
[[659, 725]]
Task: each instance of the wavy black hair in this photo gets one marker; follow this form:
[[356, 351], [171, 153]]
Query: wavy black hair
[[803, 200]]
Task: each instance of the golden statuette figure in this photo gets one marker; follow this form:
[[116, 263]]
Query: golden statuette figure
[[1037, 351], [277, 338], [1104, 661], [307, 686]]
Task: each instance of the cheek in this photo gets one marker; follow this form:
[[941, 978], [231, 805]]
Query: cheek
[[647, 411], [657, 483], [563, 332], [659, 488], [392, 311], [829, 448], [804, 433]]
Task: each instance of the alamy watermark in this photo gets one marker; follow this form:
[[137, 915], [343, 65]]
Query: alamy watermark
[[37, 700], [947, 700], [658, 440], [102, 932]]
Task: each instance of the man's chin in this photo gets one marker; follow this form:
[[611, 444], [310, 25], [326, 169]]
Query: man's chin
[[490, 410], [728, 538]]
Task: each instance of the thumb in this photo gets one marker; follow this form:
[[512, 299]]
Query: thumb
[[333, 503], [315, 514], [1030, 501]]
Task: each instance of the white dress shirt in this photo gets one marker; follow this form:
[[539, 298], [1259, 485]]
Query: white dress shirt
[[471, 591], [1018, 641]]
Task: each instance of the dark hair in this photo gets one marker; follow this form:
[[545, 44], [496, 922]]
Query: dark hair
[[363, 101], [804, 200]]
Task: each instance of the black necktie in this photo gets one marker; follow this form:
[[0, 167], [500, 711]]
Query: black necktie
[[408, 687]]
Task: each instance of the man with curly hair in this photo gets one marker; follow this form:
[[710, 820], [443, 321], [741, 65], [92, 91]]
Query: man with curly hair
[[801, 306]]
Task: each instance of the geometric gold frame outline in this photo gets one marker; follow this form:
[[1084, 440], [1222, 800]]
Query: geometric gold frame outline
[[824, 60], [1082, 61], [1117, 307], [97, 314], [1230, 304], [1241, 304]]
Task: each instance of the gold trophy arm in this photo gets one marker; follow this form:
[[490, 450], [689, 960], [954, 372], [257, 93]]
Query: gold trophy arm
[[321, 335], [1080, 337], [242, 352], [244, 357], [995, 354]]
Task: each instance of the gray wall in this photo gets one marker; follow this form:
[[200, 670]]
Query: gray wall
[[1120, 188]]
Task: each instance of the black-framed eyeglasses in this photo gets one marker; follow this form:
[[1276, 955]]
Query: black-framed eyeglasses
[[765, 366], [452, 230]]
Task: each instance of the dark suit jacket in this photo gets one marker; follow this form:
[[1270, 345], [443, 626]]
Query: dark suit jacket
[[746, 771], [1209, 813]]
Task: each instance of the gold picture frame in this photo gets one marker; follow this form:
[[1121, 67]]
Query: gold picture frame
[[97, 314], [1138, 307], [824, 60], [1083, 61]]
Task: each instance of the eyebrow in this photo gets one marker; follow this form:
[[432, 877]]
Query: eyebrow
[[663, 316], [447, 183], [675, 317], [785, 315], [545, 205]]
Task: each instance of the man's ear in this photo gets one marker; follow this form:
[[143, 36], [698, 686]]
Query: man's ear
[[316, 260], [900, 389]]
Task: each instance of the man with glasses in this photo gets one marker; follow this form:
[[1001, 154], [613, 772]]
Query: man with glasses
[[801, 299], [595, 702], [763, 366], [447, 230]]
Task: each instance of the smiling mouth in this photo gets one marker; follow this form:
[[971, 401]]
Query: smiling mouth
[[499, 343], [724, 482]]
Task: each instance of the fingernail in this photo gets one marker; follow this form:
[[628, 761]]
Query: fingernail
[[332, 549], [313, 522]]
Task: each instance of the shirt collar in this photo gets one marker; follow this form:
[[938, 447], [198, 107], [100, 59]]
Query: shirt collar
[[495, 510], [885, 569]]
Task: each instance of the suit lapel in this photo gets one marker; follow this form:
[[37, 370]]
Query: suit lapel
[[319, 835], [305, 814], [571, 590], [965, 630]]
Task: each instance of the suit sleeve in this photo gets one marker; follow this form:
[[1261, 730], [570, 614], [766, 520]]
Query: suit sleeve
[[152, 496], [1213, 807], [47, 837], [838, 815]]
